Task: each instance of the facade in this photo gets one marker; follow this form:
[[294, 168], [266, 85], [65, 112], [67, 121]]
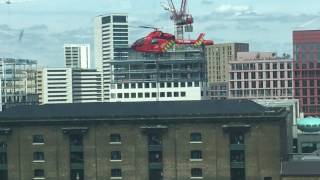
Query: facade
[[219, 90], [66, 85], [77, 56], [145, 141], [18, 81], [306, 54], [258, 75], [56, 85], [218, 57], [111, 43], [86, 86], [176, 75]]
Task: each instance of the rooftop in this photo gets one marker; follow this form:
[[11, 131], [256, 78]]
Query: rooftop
[[139, 110]]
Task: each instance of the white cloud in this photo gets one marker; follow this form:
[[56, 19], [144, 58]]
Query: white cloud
[[234, 9]]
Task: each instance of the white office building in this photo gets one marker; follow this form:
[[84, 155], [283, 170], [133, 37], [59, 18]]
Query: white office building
[[66, 85], [86, 86], [56, 85], [77, 56], [111, 43]]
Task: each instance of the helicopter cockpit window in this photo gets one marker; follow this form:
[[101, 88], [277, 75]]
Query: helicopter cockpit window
[[140, 42], [154, 41]]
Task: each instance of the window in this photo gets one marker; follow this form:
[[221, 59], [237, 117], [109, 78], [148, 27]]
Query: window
[[76, 157], [195, 137], [155, 156], [162, 94], [154, 139], [38, 156], [161, 85], [267, 178], [3, 158], [236, 138], [183, 84], [38, 139], [153, 85], [115, 139], [126, 95], [119, 95], [147, 95], [119, 86], [126, 85], [183, 94], [196, 155], [3, 145], [133, 95], [154, 94], [116, 173], [133, 85], [176, 94], [39, 173], [169, 85], [115, 156], [196, 173], [140, 85], [189, 84], [146, 85], [140, 95], [176, 84], [169, 94]]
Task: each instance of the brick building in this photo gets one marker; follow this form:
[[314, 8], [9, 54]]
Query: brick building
[[223, 140], [306, 54]]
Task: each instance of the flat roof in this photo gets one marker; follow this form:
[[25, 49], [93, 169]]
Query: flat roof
[[138, 110], [300, 168]]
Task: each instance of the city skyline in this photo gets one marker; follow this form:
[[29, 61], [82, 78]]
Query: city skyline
[[48, 25]]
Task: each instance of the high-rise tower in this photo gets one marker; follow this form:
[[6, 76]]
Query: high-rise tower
[[111, 43]]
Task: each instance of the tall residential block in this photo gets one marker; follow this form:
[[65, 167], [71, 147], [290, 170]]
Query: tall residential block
[[306, 54], [77, 56], [56, 85], [218, 57], [66, 85], [18, 81], [261, 75], [111, 43]]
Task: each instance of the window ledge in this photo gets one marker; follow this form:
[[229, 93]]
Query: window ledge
[[115, 160], [195, 142], [196, 177], [38, 178], [116, 178], [38, 161], [37, 143], [114, 142], [196, 160]]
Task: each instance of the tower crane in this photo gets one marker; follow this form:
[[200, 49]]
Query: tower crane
[[182, 20]]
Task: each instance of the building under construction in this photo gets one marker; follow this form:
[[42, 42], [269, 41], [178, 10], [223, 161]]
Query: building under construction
[[18, 81], [178, 74]]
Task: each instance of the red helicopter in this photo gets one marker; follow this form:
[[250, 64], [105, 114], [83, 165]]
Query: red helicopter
[[159, 42]]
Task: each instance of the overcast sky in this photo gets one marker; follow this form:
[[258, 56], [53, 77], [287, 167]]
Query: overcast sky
[[48, 24]]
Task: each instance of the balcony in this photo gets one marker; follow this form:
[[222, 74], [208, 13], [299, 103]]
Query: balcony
[[239, 147], [155, 147], [155, 166]]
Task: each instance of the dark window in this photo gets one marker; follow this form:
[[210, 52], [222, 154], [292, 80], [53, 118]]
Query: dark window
[[183, 84], [133, 85], [119, 95], [196, 154], [183, 94], [146, 95], [154, 139], [140, 95], [115, 155], [155, 156], [76, 157], [3, 145], [237, 156], [133, 95], [39, 173], [119, 86], [195, 137], [161, 85], [267, 178], [176, 84], [126, 95], [76, 140], [236, 138], [140, 85], [38, 156], [38, 138], [153, 85], [3, 158], [176, 94], [115, 138], [154, 94], [126, 85], [169, 94], [116, 173], [162, 94], [4, 174], [119, 19], [189, 84], [146, 85], [106, 20], [196, 172]]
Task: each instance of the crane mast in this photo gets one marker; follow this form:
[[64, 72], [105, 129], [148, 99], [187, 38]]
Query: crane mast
[[182, 20]]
